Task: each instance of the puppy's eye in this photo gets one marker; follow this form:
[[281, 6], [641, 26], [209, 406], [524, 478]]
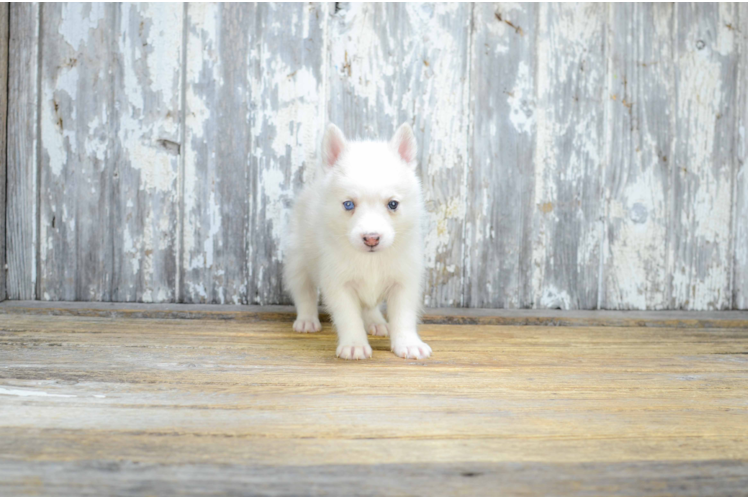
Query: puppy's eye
[[348, 205], [393, 205]]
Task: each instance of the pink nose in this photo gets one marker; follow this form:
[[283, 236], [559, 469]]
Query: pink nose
[[371, 239]]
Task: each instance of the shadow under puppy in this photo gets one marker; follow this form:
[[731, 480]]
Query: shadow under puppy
[[356, 235]]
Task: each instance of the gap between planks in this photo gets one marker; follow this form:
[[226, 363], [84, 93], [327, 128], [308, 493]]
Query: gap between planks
[[456, 316]]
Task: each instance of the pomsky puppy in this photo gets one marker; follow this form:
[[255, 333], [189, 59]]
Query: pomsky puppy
[[356, 235]]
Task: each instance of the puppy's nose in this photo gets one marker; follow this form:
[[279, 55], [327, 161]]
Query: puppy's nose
[[371, 239]]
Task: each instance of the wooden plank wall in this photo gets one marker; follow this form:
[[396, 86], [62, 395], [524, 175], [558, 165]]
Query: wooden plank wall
[[110, 129], [586, 156], [254, 113], [4, 25], [22, 140], [638, 181], [740, 197]]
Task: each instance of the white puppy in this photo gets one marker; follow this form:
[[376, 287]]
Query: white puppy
[[356, 235]]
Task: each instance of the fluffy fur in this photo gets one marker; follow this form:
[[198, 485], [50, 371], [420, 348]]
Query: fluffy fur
[[360, 257]]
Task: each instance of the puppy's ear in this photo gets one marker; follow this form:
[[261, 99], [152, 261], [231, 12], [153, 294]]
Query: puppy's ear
[[333, 144], [404, 143]]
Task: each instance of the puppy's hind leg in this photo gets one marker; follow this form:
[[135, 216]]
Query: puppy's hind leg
[[375, 323], [304, 293]]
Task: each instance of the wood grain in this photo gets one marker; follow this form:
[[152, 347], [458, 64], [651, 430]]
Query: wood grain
[[740, 197], [500, 206], [22, 187], [702, 153], [217, 149], [654, 478], [109, 132], [569, 155], [254, 102], [77, 129], [287, 76], [395, 63], [4, 24], [640, 108], [148, 96], [244, 407]]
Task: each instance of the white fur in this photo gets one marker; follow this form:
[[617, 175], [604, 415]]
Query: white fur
[[326, 248]]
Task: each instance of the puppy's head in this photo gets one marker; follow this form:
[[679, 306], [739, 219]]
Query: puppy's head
[[372, 194]]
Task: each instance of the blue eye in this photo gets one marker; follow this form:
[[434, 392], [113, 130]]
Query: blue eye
[[348, 205], [393, 205]]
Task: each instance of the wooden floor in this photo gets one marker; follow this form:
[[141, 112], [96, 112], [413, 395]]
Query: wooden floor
[[140, 406]]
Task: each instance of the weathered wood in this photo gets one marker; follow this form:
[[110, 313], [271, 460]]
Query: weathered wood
[[569, 155], [4, 24], [254, 115], [640, 123], [77, 129], [110, 146], [394, 63], [500, 204], [148, 93], [452, 316], [702, 153], [117, 477], [572, 156], [105, 406], [217, 152], [287, 76], [740, 199], [22, 167]]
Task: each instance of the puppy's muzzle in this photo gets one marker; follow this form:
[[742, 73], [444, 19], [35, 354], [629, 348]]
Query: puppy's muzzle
[[371, 239]]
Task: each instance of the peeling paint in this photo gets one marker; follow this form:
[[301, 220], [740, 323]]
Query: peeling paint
[[568, 154], [571, 156], [78, 20], [703, 177], [521, 101]]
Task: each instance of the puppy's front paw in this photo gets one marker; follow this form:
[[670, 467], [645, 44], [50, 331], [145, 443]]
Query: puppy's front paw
[[354, 351], [307, 325], [379, 330], [412, 349]]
